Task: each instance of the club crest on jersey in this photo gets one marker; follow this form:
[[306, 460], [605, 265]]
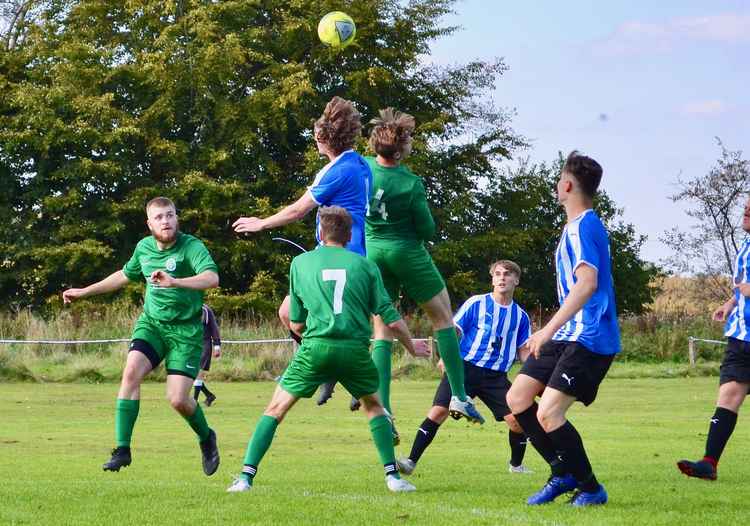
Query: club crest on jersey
[[171, 265]]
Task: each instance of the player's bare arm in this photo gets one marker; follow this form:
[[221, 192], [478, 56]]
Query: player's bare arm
[[113, 282], [207, 279], [298, 328], [288, 214], [418, 349], [723, 311], [580, 292]]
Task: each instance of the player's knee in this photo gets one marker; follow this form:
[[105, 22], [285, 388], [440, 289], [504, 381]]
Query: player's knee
[[179, 403], [131, 377], [549, 420], [731, 396], [517, 400], [438, 414], [513, 424]]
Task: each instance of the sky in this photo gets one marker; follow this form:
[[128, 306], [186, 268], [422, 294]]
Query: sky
[[643, 87]]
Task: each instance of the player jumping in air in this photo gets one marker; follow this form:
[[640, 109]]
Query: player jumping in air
[[211, 348], [177, 269], [345, 181], [333, 292], [494, 330], [734, 378], [572, 353], [398, 224]]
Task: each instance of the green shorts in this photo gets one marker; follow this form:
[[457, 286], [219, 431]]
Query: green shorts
[[322, 361], [179, 345], [406, 267]]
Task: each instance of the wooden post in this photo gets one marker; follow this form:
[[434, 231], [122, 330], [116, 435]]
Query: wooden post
[[691, 351], [431, 347]]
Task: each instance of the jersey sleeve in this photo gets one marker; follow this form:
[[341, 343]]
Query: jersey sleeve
[[325, 187], [584, 241], [132, 268], [524, 330], [424, 224], [465, 315], [380, 302], [297, 310], [199, 257]]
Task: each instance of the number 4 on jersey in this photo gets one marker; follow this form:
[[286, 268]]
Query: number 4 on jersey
[[378, 205], [339, 277]]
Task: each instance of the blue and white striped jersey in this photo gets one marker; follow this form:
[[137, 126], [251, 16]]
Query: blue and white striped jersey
[[491, 333], [585, 241], [739, 318]]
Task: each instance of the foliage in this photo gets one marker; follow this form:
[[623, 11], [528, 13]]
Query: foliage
[[715, 204], [107, 104]]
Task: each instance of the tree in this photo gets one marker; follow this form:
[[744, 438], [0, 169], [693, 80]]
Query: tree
[[110, 103], [715, 203]]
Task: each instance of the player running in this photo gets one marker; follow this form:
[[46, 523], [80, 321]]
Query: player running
[[734, 378], [572, 353], [494, 330], [333, 292], [211, 348], [398, 224], [177, 269], [345, 181]]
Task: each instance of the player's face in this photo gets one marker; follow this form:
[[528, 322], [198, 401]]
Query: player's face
[[503, 279], [162, 222], [746, 217]]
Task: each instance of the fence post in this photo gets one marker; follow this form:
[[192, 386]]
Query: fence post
[[691, 351], [430, 346]]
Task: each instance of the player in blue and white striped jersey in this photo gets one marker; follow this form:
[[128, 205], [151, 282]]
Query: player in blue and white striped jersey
[[493, 331], [571, 354], [734, 378]]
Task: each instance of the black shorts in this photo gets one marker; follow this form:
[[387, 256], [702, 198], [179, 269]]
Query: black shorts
[[206, 358], [488, 385], [569, 367], [736, 364]]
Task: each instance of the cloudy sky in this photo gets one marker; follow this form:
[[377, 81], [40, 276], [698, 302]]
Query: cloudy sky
[[644, 87]]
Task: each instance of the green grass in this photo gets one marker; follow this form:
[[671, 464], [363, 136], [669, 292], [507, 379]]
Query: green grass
[[322, 468]]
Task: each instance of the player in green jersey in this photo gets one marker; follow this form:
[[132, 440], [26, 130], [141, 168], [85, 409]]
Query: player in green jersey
[[397, 226], [177, 269], [333, 292]]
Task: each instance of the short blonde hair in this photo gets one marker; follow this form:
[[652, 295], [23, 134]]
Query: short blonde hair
[[160, 201], [507, 264]]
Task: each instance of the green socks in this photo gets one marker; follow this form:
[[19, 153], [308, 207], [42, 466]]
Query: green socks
[[198, 422], [454, 365], [126, 413], [258, 445], [381, 356], [380, 427]]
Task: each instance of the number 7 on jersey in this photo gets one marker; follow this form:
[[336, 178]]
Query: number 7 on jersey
[[339, 277]]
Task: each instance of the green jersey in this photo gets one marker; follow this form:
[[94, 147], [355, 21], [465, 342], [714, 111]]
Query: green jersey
[[187, 257], [398, 206], [334, 291]]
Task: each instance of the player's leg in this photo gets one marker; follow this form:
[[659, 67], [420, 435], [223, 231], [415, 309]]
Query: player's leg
[[576, 377], [428, 428], [382, 348], [262, 436], [380, 429], [731, 396], [198, 384], [438, 309], [182, 361], [137, 366], [734, 380], [517, 441]]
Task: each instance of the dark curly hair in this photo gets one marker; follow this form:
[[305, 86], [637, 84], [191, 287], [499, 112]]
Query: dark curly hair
[[339, 126]]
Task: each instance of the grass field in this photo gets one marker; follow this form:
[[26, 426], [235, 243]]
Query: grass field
[[323, 469]]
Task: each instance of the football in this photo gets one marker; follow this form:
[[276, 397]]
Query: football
[[337, 29]]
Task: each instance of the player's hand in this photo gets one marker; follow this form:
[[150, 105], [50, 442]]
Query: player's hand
[[248, 224], [722, 312], [536, 341], [441, 366], [162, 279], [72, 294], [744, 289], [421, 349], [217, 351]]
